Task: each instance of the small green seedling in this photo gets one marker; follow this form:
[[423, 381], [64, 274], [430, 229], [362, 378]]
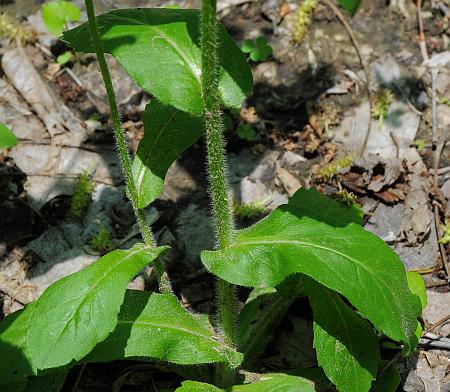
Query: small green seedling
[[381, 105], [246, 211], [420, 144], [81, 196], [57, 14], [445, 101], [7, 137], [246, 132], [258, 50], [312, 246], [102, 242], [64, 58], [446, 237]]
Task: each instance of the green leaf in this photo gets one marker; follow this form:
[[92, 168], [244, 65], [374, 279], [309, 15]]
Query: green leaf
[[64, 58], [326, 209], [167, 133], [7, 138], [160, 50], [276, 382], [297, 238], [156, 326], [417, 286], [246, 132], [345, 343], [259, 50], [79, 311], [16, 365], [350, 5], [388, 378], [57, 14]]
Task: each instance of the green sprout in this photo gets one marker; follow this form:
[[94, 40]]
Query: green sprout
[[420, 144], [82, 196], [381, 105], [329, 170], [446, 237], [303, 19], [246, 132], [7, 137], [445, 101], [102, 242], [64, 58], [57, 14], [258, 50], [245, 211]]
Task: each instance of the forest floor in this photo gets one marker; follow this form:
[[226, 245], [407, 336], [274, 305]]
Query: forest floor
[[303, 126]]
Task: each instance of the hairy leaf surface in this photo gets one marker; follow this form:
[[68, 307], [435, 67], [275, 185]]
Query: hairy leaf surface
[[160, 50], [267, 383], [345, 343], [80, 310], [167, 133], [156, 326], [341, 256]]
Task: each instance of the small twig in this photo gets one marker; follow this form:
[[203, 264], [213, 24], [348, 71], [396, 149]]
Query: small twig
[[437, 324], [436, 284], [365, 67], [433, 341]]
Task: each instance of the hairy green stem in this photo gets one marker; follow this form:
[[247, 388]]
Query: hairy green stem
[[221, 205], [122, 147]]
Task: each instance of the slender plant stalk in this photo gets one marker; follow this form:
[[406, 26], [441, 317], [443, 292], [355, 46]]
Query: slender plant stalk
[[122, 147], [221, 205]]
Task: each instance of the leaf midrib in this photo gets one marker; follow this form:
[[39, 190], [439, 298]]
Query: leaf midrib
[[190, 63], [86, 294], [308, 244], [147, 323]]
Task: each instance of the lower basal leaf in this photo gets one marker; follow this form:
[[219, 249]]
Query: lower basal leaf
[[79, 311], [156, 326], [267, 383], [345, 343], [343, 257]]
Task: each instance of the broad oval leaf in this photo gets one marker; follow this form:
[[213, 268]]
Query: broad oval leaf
[[160, 50], [156, 326], [276, 382], [345, 343], [167, 133], [342, 257], [79, 311], [7, 138]]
